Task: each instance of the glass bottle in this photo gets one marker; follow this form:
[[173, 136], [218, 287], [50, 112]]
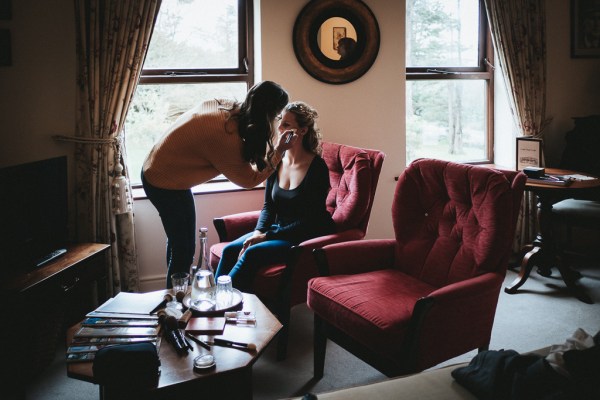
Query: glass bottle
[[203, 284], [202, 254]]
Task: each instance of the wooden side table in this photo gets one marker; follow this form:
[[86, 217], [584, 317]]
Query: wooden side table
[[542, 252]]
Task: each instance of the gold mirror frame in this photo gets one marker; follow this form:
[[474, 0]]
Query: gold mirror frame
[[309, 54]]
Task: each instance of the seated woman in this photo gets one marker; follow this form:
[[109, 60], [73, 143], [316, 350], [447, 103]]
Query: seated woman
[[294, 207]]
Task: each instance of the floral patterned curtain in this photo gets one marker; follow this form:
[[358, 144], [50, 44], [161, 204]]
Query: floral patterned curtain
[[519, 35], [112, 41]]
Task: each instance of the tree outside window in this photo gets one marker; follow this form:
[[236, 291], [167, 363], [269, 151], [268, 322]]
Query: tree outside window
[[200, 50], [449, 81]]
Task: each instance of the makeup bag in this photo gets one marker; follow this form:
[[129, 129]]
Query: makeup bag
[[132, 365]]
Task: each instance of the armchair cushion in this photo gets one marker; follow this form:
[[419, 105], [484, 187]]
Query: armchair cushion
[[350, 177], [373, 308]]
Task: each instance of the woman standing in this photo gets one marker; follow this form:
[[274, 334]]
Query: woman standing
[[216, 137], [294, 209]]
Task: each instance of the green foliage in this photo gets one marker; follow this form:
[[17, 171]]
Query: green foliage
[[444, 116], [189, 35]]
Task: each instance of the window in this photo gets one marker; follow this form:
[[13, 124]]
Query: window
[[200, 50], [449, 87]]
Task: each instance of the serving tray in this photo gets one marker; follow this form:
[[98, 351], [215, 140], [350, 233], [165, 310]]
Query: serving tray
[[236, 303]]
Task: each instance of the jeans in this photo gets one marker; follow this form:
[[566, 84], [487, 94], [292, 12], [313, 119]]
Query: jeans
[[178, 215], [243, 270]]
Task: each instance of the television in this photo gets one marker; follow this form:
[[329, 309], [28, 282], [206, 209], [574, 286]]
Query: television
[[33, 213]]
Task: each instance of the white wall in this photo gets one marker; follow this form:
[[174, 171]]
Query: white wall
[[368, 112], [37, 100]]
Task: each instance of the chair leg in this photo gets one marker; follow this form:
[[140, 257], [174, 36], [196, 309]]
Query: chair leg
[[320, 347], [570, 278], [282, 340]]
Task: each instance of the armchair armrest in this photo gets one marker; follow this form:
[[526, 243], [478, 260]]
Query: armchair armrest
[[301, 265], [356, 256], [445, 317], [231, 227], [344, 236], [482, 285]]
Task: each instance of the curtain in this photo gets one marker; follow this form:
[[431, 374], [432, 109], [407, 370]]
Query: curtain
[[112, 41], [519, 35]]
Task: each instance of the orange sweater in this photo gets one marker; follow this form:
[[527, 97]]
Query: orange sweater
[[202, 144]]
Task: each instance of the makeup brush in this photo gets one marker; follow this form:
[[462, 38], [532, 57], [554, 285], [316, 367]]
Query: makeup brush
[[230, 343], [200, 342]]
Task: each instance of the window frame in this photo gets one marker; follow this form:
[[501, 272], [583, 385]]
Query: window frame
[[483, 71], [243, 72]]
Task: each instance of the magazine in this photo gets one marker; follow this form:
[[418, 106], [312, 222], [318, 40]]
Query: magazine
[[109, 315], [116, 331], [88, 341], [132, 303], [553, 180], [95, 321], [92, 348], [87, 348]]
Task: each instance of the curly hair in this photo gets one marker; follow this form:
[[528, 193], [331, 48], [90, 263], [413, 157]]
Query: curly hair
[[305, 117], [263, 103]]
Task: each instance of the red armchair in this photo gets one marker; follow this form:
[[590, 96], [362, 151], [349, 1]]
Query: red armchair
[[406, 304], [353, 175]]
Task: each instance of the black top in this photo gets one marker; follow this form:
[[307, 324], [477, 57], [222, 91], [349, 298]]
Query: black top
[[298, 214]]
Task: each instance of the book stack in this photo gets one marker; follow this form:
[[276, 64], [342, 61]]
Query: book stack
[[125, 318], [553, 180]]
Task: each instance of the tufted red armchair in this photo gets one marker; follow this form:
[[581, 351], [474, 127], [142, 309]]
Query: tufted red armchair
[[430, 294], [353, 176]]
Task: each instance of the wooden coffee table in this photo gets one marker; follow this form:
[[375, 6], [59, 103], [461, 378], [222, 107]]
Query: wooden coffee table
[[231, 378]]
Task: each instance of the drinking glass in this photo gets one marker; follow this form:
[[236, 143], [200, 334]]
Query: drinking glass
[[180, 282], [224, 295]]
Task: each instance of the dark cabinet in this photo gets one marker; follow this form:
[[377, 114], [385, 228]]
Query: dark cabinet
[[43, 303]]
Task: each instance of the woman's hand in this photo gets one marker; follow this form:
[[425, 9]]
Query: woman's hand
[[286, 140], [257, 237]]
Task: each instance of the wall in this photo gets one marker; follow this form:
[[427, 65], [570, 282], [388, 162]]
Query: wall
[[368, 112], [37, 93], [573, 83], [37, 100]]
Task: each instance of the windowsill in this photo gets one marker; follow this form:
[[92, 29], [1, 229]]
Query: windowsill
[[205, 188]]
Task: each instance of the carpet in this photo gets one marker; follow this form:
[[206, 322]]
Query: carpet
[[542, 313]]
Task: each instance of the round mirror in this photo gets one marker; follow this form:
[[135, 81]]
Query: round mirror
[[336, 41]]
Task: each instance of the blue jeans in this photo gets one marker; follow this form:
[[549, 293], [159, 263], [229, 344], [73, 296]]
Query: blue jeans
[[178, 215], [243, 270]]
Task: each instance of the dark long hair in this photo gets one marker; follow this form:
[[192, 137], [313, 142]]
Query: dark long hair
[[263, 103]]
